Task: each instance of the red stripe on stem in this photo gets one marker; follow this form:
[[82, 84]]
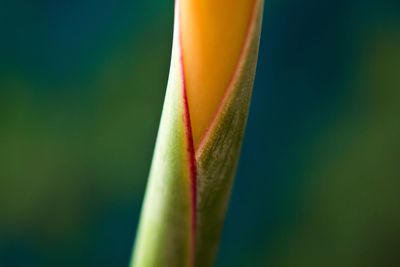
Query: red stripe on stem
[[190, 149]]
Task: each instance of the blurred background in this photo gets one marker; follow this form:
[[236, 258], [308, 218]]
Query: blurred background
[[81, 91]]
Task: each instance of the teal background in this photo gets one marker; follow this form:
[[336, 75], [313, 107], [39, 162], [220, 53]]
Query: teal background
[[81, 91]]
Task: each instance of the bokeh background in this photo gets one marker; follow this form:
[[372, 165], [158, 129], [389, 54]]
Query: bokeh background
[[81, 89]]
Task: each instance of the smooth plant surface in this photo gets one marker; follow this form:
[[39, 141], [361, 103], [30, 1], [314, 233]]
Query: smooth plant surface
[[204, 116]]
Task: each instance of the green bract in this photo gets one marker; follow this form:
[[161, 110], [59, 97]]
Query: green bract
[[188, 191]]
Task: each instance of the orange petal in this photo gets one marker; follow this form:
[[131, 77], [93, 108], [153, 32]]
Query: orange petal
[[213, 34]]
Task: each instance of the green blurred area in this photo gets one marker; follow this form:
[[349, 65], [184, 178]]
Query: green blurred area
[[81, 92], [77, 129]]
